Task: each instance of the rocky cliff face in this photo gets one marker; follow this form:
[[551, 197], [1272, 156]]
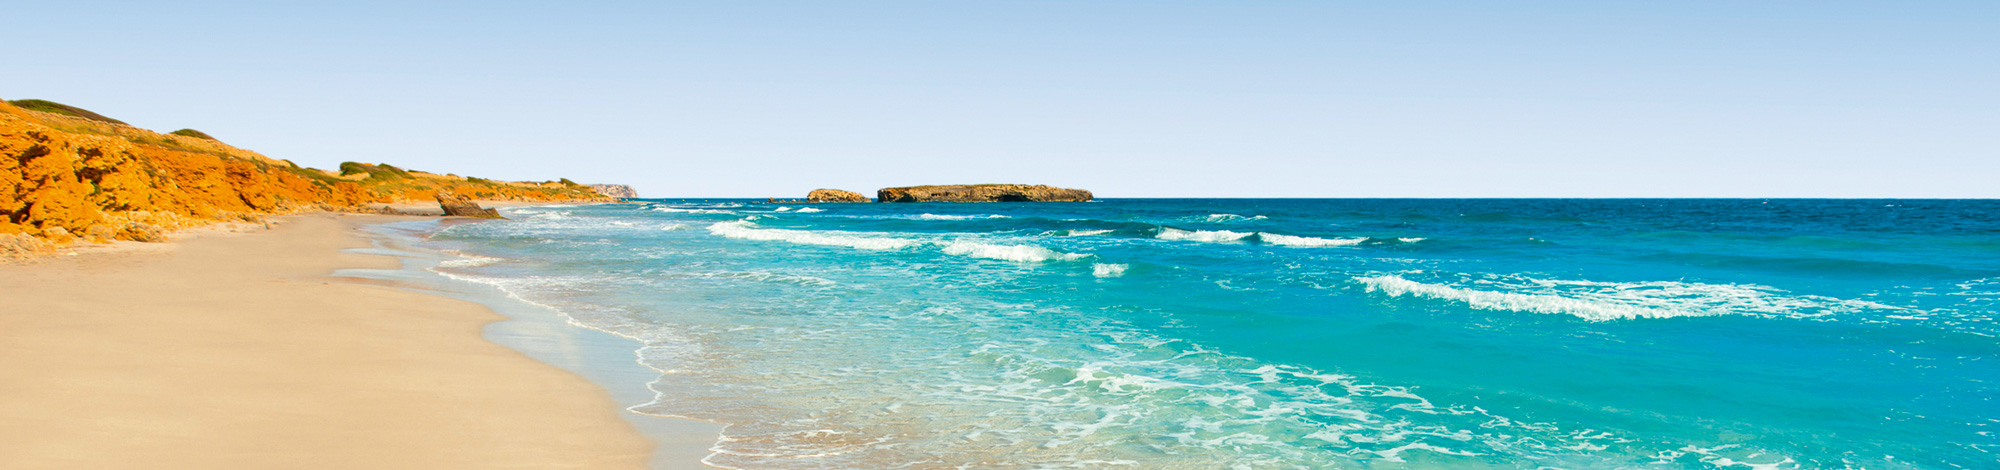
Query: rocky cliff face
[[615, 190], [981, 193], [835, 195], [62, 176]]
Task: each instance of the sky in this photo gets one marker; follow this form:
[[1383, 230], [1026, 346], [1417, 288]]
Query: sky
[[1125, 98]]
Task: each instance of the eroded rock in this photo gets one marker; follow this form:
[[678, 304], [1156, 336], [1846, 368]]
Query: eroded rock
[[460, 206], [835, 195], [141, 232]]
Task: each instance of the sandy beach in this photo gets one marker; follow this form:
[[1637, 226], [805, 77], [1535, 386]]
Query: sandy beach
[[234, 350]]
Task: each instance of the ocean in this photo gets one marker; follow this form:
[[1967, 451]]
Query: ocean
[[1281, 334]]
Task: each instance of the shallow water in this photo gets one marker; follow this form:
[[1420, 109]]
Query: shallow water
[[1291, 333]]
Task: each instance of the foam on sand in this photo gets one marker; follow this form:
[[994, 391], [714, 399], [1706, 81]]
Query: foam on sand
[[743, 229]]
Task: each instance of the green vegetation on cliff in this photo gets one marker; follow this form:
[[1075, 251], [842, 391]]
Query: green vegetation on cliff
[[192, 133], [47, 106]]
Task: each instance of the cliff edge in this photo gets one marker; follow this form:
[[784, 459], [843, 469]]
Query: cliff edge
[[70, 175], [982, 193]]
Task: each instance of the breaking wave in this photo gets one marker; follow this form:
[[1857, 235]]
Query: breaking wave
[[741, 229], [1605, 301], [1211, 236], [1108, 270], [1227, 218], [690, 211], [1016, 253], [1288, 240], [959, 217]]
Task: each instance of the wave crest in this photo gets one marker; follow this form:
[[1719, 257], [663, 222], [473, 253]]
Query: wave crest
[[1108, 270], [742, 229], [1604, 301], [1288, 240], [1016, 253], [1211, 236]]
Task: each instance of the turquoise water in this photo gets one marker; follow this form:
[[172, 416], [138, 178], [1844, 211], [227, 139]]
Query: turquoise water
[[1200, 334]]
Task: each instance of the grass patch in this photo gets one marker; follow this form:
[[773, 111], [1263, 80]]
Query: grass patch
[[192, 133], [47, 106]]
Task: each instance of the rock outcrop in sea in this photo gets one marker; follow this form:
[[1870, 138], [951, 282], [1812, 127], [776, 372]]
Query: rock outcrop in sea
[[835, 195], [982, 193], [615, 190], [460, 206]]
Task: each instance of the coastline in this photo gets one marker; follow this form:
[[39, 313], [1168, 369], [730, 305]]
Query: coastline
[[237, 350], [542, 333]]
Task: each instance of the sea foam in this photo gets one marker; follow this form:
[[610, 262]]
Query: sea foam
[[1211, 236], [1603, 301], [741, 229], [1288, 240], [959, 217], [690, 211], [1017, 253], [1227, 218], [1108, 270]]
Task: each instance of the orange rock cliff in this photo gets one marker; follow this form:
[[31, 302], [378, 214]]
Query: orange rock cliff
[[67, 175]]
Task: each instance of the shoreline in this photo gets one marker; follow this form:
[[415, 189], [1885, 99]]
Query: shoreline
[[243, 350], [544, 334]]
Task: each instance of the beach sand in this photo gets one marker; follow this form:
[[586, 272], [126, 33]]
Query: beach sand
[[234, 350]]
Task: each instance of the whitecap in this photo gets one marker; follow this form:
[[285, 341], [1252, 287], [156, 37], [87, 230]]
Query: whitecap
[[691, 211], [1288, 240], [1108, 270], [1212, 236], [1017, 253], [1602, 301], [1080, 233], [1227, 218], [959, 217], [742, 229], [809, 209]]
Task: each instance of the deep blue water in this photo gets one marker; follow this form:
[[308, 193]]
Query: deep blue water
[[1346, 333]]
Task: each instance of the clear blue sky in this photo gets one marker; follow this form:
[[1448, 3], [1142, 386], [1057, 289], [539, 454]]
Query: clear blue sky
[[1127, 98]]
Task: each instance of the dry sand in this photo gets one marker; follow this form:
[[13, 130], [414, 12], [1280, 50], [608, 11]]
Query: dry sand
[[233, 350]]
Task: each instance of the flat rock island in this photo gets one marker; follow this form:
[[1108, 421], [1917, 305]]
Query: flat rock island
[[835, 195], [982, 193]]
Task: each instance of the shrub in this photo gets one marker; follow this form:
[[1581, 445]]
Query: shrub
[[192, 133]]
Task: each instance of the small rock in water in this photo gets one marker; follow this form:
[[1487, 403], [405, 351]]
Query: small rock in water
[[835, 195], [460, 206]]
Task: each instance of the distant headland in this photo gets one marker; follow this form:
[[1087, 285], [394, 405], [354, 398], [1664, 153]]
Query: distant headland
[[958, 193]]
